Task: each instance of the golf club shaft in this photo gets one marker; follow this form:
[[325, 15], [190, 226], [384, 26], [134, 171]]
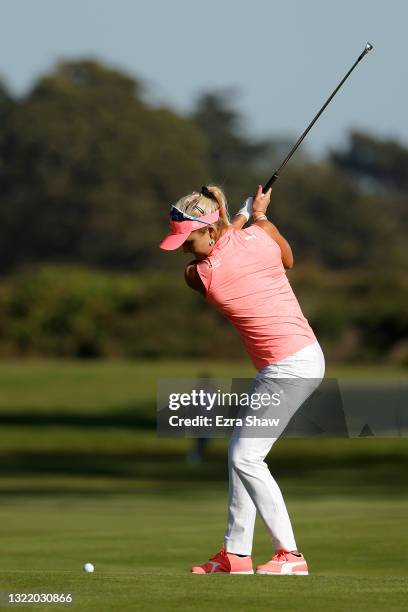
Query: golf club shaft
[[275, 175]]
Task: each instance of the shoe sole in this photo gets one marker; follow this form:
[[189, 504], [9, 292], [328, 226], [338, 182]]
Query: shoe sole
[[224, 573], [264, 573]]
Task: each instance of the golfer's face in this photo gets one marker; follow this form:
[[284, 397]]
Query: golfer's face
[[198, 243]]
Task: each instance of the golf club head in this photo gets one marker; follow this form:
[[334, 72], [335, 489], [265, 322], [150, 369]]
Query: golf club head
[[368, 47]]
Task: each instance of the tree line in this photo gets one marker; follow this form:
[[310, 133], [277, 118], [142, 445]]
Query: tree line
[[88, 170]]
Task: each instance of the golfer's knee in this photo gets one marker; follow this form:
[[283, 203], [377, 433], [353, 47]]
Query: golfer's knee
[[244, 463]]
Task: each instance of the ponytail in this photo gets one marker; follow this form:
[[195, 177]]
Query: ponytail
[[199, 204]]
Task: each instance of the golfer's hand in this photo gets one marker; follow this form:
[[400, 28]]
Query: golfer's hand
[[261, 200]]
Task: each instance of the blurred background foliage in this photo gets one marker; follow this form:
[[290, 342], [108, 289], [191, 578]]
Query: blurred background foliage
[[88, 169]]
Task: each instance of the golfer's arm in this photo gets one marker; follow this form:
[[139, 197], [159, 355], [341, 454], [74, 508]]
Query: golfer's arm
[[273, 232], [192, 277]]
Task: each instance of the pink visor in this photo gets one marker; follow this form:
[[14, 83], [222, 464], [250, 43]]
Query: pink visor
[[180, 230]]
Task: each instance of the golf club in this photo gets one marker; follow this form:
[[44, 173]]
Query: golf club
[[275, 175]]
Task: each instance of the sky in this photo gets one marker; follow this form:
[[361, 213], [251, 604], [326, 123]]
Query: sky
[[279, 61]]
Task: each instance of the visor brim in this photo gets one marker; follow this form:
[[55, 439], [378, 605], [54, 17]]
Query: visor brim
[[173, 241]]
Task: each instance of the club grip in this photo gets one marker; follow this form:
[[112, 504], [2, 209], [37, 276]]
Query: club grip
[[270, 182]]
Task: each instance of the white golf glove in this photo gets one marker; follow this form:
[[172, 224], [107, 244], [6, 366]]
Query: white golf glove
[[246, 209]]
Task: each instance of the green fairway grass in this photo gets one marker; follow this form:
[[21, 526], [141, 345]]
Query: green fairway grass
[[99, 386], [84, 477], [143, 544]]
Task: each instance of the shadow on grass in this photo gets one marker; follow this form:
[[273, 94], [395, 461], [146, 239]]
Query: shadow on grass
[[382, 476], [143, 417]]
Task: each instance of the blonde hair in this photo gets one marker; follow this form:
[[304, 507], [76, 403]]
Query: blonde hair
[[197, 205]]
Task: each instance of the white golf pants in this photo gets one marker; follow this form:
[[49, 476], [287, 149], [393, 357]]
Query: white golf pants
[[252, 487]]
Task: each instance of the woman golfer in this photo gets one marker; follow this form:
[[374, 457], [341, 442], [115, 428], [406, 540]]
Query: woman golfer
[[242, 273]]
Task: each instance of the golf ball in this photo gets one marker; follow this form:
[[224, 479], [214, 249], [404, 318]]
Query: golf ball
[[88, 568]]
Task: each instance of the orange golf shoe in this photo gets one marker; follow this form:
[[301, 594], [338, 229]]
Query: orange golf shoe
[[225, 563], [284, 563]]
